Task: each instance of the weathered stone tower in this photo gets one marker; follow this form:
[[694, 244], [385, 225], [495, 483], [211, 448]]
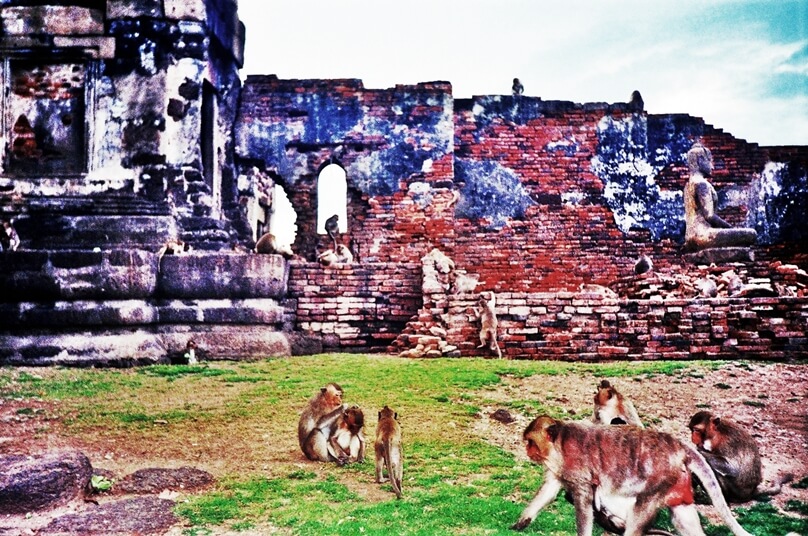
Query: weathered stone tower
[[116, 119]]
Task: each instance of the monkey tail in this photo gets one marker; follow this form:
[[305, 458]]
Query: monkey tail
[[393, 474], [699, 466], [764, 493]]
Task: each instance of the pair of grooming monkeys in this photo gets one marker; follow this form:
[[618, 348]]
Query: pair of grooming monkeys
[[618, 477], [330, 431]]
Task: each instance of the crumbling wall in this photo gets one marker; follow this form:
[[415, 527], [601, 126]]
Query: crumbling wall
[[396, 146]]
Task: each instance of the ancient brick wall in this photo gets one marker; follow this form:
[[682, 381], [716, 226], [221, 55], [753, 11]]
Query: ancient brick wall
[[581, 326], [354, 308], [532, 195], [396, 146]]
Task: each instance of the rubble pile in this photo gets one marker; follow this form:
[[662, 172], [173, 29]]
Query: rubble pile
[[731, 280]]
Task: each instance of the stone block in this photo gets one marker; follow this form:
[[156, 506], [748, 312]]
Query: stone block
[[53, 20], [219, 275], [77, 275], [720, 256]]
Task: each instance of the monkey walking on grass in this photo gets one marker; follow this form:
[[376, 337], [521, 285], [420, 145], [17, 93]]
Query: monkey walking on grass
[[620, 477], [389, 454]]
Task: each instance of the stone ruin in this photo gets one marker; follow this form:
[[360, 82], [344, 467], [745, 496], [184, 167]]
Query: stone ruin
[[52, 494], [139, 171]]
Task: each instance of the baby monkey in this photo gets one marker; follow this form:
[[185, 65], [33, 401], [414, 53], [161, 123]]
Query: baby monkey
[[611, 407], [388, 449], [347, 439]]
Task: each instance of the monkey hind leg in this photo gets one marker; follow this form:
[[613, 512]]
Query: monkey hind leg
[[686, 520]]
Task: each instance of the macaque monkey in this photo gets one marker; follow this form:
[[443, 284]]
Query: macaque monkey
[[611, 407], [328, 257], [388, 449], [733, 455], [488, 322], [644, 264], [347, 439], [636, 103], [332, 228], [318, 420], [624, 473], [9, 238], [344, 255], [190, 352], [269, 244], [517, 87]]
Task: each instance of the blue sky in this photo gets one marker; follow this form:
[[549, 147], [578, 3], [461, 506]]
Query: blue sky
[[742, 65]]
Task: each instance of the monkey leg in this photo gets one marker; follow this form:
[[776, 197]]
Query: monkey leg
[[685, 518]]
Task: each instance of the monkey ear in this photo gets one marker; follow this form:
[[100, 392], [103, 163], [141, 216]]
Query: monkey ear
[[395, 415], [322, 389], [380, 415], [553, 430], [716, 420]]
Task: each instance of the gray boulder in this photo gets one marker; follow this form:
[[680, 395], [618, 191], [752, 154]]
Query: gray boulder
[[33, 483]]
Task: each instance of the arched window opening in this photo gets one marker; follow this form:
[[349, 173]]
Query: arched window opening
[[282, 217], [332, 197]]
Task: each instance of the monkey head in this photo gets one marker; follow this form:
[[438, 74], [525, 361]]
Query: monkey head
[[604, 393], [331, 394], [354, 419], [387, 413], [539, 437], [706, 430]]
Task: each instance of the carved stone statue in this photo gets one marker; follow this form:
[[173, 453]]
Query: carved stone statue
[[703, 227]]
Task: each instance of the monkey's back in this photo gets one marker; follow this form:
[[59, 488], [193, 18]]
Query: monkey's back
[[620, 457]]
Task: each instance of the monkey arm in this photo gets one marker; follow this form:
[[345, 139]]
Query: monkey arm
[[722, 466], [546, 494], [361, 457]]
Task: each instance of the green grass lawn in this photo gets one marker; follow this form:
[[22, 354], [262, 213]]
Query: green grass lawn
[[239, 421]]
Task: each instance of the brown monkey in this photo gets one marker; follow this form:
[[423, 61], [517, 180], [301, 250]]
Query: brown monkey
[[317, 421], [268, 243], [388, 449], [347, 439], [488, 322], [624, 472], [611, 407], [733, 455]]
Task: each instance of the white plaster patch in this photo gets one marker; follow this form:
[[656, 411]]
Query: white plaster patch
[[147, 60], [573, 198]]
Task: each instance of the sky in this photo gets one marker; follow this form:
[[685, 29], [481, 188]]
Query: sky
[[742, 65]]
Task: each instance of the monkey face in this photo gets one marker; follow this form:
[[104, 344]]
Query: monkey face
[[332, 393], [355, 419]]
